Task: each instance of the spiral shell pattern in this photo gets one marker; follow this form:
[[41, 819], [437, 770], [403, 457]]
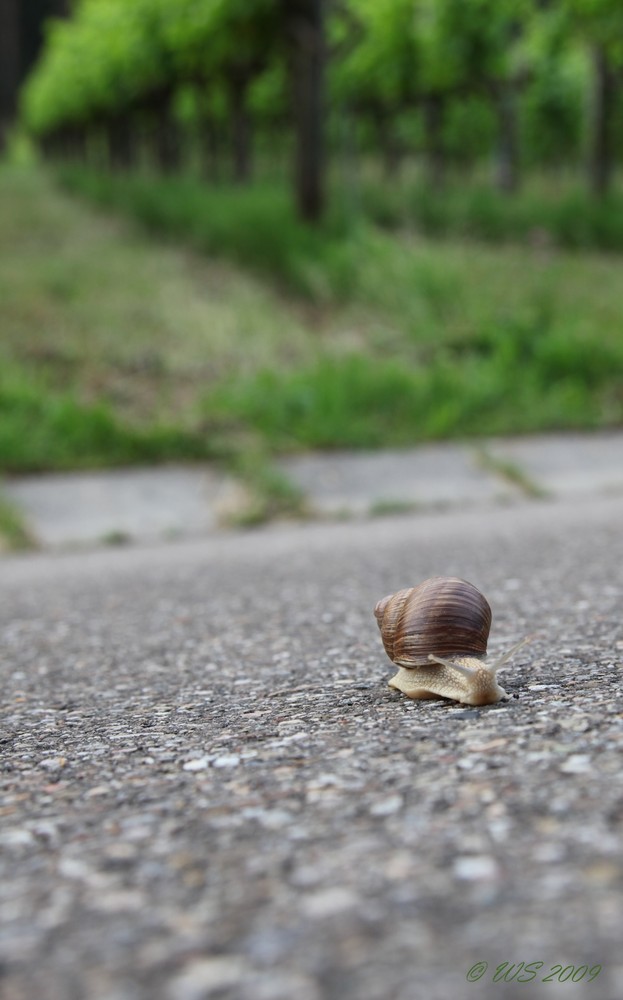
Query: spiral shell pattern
[[446, 616]]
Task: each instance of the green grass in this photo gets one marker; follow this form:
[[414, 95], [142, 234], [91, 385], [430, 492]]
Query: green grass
[[512, 473], [109, 341], [43, 428], [357, 402], [544, 213], [254, 227], [14, 535], [155, 319]]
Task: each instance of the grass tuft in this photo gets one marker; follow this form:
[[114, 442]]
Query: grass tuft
[[46, 429], [14, 534]]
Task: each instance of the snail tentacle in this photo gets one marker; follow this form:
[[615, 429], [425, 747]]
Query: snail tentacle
[[510, 653]]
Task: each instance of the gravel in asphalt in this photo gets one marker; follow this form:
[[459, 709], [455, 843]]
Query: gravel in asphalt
[[209, 791]]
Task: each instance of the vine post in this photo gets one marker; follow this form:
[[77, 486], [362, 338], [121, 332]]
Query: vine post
[[307, 52]]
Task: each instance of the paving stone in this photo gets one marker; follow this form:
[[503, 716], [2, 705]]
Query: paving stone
[[145, 505], [368, 482], [120, 504], [567, 464]]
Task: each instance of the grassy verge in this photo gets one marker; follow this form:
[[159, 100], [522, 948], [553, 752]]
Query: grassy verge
[[561, 215], [356, 402], [254, 227], [117, 348], [44, 428]]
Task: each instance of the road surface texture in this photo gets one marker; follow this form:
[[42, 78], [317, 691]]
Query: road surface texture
[[209, 791]]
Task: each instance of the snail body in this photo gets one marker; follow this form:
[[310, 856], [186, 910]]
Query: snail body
[[436, 634]]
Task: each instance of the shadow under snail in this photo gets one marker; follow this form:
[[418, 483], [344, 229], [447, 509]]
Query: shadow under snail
[[436, 634]]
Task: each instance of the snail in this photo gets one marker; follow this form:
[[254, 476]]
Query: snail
[[436, 634]]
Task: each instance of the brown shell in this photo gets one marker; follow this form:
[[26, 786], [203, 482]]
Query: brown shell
[[444, 615]]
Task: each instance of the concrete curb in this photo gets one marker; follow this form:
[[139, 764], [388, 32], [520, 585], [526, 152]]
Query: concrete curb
[[137, 505]]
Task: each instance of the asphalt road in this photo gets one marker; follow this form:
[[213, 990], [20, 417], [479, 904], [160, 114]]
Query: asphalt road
[[209, 791]]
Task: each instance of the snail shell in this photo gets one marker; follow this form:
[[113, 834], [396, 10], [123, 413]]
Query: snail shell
[[444, 615], [436, 633]]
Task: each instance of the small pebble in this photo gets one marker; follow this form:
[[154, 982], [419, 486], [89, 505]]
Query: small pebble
[[198, 764], [474, 868], [227, 760], [386, 807]]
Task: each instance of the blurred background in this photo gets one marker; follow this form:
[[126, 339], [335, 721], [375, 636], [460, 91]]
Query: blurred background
[[232, 229]]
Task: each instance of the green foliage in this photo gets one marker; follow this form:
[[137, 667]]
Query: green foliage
[[391, 61], [566, 218], [508, 383], [96, 63], [116, 350], [111, 54], [381, 68], [255, 227], [552, 111], [516, 374], [42, 428], [599, 22]]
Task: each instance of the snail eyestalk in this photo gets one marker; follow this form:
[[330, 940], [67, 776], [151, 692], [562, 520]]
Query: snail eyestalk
[[510, 653]]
